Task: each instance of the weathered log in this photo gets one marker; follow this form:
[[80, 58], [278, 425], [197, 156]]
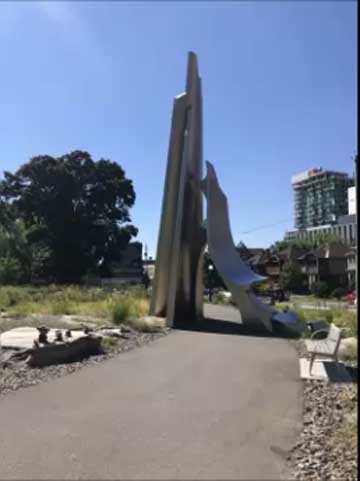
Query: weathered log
[[64, 353]]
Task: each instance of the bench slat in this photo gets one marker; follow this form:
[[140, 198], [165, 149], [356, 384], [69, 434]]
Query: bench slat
[[328, 346]]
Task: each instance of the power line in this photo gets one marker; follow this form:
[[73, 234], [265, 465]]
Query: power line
[[266, 226]]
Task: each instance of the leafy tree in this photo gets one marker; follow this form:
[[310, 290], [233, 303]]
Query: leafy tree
[[10, 270], [301, 244], [319, 241], [76, 211], [15, 254], [212, 278], [291, 278]]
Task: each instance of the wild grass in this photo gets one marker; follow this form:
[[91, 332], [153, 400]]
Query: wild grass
[[108, 343], [343, 318], [351, 354], [116, 306], [220, 297], [346, 434], [121, 311]]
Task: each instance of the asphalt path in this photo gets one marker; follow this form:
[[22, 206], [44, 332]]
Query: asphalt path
[[196, 404]]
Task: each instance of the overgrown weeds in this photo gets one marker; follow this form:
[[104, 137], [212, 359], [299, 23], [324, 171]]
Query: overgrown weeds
[[344, 319], [117, 305]]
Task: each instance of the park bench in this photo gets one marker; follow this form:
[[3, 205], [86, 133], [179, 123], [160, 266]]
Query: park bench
[[324, 348]]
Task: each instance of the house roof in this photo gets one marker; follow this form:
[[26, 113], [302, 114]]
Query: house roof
[[292, 252], [327, 252], [332, 250], [265, 255], [248, 252]]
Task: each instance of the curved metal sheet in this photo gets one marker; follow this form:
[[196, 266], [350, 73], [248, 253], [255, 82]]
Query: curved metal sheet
[[237, 276]]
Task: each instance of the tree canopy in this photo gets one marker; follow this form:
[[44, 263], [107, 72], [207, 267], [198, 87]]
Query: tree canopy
[[75, 211], [320, 240]]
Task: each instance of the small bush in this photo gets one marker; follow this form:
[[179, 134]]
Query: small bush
[[220, 297], [320, 289], [339, 292], [121, 311]]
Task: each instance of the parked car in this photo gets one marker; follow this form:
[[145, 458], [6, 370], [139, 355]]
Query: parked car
[[351, 296]]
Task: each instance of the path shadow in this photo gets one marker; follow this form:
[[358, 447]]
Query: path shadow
[[216, 326]]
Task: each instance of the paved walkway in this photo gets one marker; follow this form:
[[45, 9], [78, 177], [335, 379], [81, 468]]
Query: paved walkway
[[191, 405]]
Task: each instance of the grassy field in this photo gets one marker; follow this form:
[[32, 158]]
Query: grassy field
[[344, 318], [104, 305]]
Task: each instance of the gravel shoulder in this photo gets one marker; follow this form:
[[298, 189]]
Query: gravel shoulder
[[327, 447]]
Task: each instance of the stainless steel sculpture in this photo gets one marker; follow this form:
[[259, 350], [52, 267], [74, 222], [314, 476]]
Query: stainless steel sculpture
[[237, 276], [178, 289]]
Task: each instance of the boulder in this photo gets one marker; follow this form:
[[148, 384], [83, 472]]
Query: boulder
[[23, 337], [110, 332], [74, 351]]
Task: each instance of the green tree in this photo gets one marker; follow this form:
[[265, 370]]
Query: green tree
[[319, 241], [291, 278], [10, 270], [15, 253], [300, 243], [76, 211], [212, 278]]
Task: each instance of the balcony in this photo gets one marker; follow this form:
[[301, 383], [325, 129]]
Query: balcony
[[309, 270]]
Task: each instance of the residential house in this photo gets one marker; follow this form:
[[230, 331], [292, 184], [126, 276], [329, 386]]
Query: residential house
[[327, 263], [351, 267], [267, 263]]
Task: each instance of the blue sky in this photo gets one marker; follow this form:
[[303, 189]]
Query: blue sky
[[279, 85]]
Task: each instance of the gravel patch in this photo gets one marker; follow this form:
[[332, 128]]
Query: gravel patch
[[17, 375], [325, 452]]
